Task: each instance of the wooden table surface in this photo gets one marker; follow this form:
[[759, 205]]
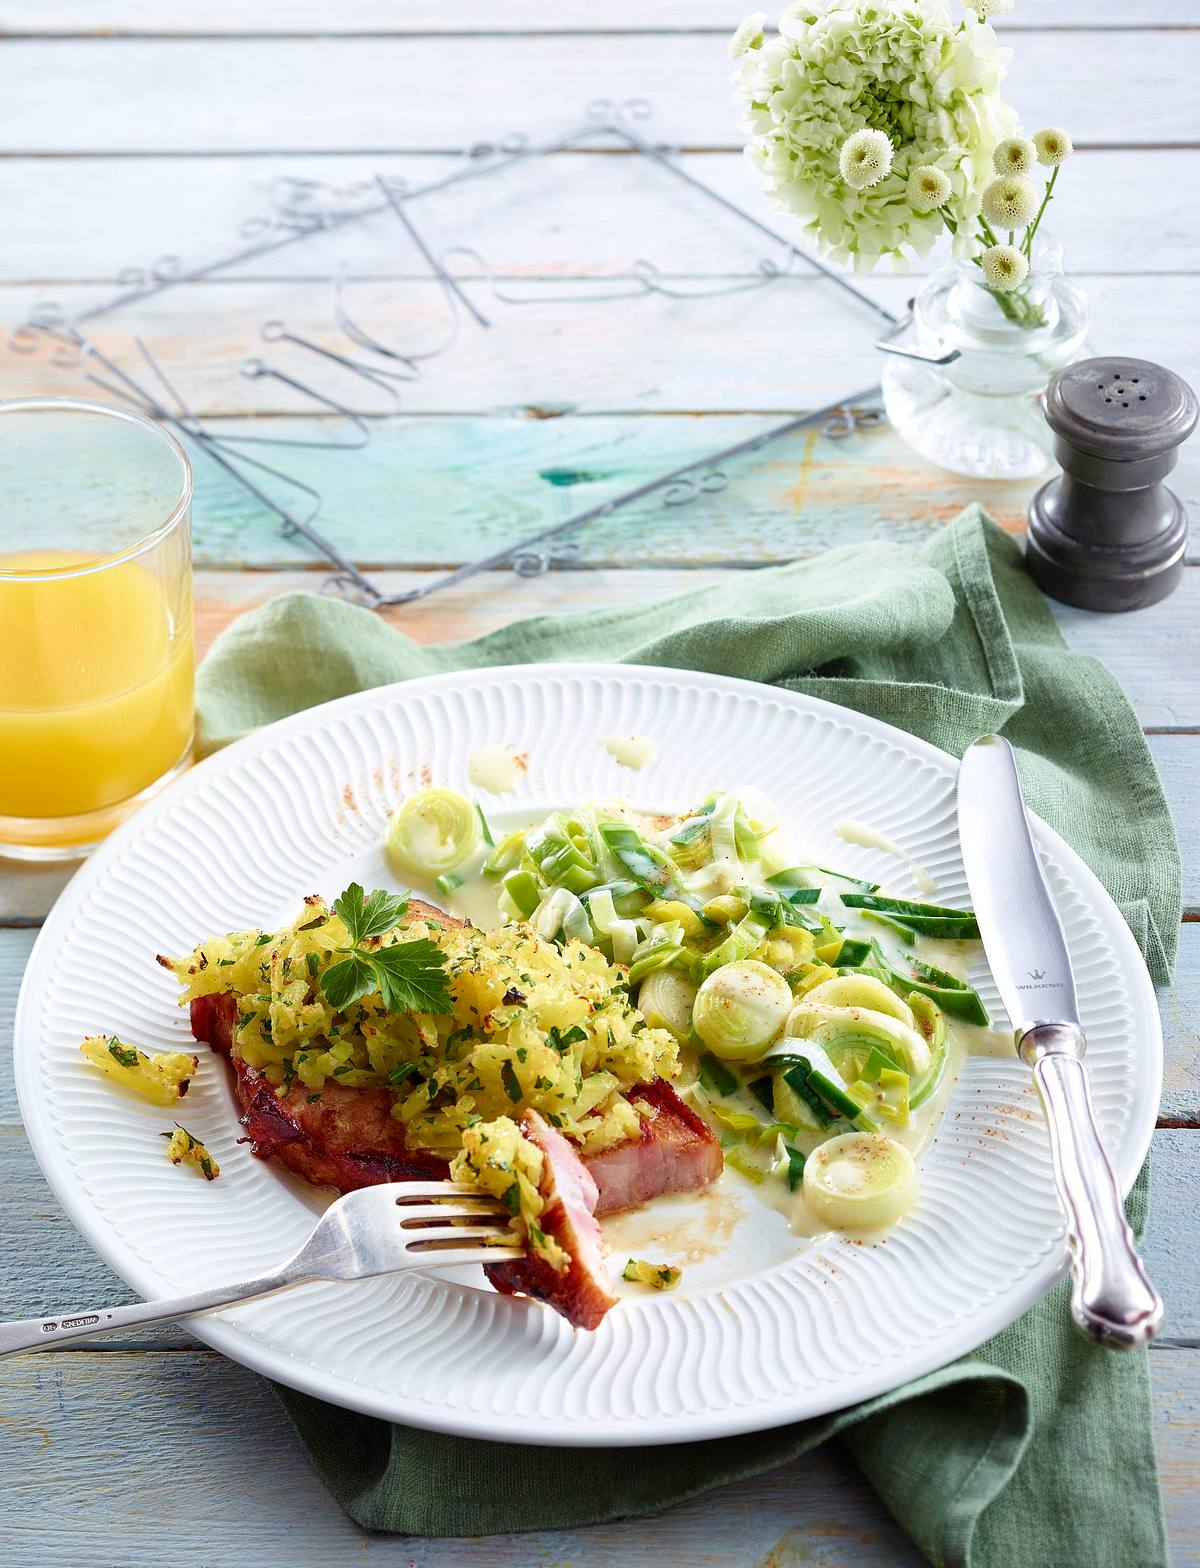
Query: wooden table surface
[[130, 129]]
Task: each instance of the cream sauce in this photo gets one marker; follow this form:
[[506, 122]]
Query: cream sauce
[[860, 833], [631, 751], [714, 1215], [495, 769]]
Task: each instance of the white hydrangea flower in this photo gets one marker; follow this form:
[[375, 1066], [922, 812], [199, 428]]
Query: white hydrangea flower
[[927, 188], [985, 8], [1009, 202], [1014, 155], [1053, 146], [901, 67], [865, 158], [1004, 267], [748, 34]]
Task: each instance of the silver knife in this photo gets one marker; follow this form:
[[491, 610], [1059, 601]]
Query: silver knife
[[1113, 1300]]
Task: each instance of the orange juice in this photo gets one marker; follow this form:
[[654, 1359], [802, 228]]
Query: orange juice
[[95, 686]]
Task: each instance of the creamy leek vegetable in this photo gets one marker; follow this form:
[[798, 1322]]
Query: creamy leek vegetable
[[809, 1005], [860, 1181], [432, 834], [740, 1009]]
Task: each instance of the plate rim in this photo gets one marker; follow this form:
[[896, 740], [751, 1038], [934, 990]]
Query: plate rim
[[242, 1345]]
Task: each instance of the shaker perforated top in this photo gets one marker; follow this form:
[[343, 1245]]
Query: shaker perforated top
[[1125, 410]]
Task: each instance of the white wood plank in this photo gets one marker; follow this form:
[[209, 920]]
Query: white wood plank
[[106, 1428], [572, 214], [646, 355], [1179, 1006], [467, 481], [1177, 758], [1151, 652], [114, 18], [347, 95]]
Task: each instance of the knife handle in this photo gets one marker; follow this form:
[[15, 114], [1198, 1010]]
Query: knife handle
[[1113, 1300]]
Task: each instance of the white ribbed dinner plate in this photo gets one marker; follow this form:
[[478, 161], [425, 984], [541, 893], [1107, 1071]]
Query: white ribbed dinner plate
[[763, 1330]]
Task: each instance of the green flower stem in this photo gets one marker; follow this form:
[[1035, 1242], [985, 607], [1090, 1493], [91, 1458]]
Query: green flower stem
[[985, 228], [1016, 305], [1031, 231]]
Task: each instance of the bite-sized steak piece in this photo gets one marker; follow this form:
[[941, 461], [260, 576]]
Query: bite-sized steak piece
[[581, 1292], [676, 1152]]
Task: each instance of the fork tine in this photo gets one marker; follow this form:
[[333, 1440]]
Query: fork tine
[[409, 1191], [420, 1240], [442, 1213]]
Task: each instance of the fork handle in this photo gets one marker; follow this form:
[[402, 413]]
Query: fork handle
[[49, 1333]]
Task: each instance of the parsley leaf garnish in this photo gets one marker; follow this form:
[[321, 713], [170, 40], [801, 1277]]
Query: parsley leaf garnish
[[365, 917], [512, 1084], [126, 1055], [412, 977], [409, 976], [345, 982]]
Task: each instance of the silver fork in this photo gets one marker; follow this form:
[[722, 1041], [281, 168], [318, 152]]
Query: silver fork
[[377, 1230]]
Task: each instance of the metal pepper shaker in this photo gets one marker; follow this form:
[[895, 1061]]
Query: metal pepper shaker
[[1107, 534]]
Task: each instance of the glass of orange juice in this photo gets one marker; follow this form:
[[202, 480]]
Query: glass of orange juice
[[96, 643]]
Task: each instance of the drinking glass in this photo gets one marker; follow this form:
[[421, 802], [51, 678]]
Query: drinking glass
[[96, 642]]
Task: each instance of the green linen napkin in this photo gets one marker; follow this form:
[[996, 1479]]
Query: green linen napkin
[[1036, 1449]]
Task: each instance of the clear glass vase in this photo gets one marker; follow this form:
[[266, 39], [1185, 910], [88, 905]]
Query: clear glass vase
[[980, 412]]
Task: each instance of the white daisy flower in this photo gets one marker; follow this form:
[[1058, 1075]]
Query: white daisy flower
[[985, 8], [1004, 267], [865, 158], [1009, 202], [927, 188], [1053, 146], [1014, 155]]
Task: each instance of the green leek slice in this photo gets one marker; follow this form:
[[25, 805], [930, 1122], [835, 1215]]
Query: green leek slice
[[852, 953], [716, 1076], [740, 1009], [648, 867], [434, 831], [505, 855], [931, 1021], [665, 1002], [952, 995], [862, 991], [925, 919], [525, 891]]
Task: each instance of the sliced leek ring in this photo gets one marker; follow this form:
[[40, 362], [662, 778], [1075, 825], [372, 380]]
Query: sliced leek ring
[[839, 1029], [433, 832], [862, 991], [740, 1009], [665, 1001], [860, 1181]]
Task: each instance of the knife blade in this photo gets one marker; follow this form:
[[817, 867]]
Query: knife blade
[[1021, 931], [1112, 1300]]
